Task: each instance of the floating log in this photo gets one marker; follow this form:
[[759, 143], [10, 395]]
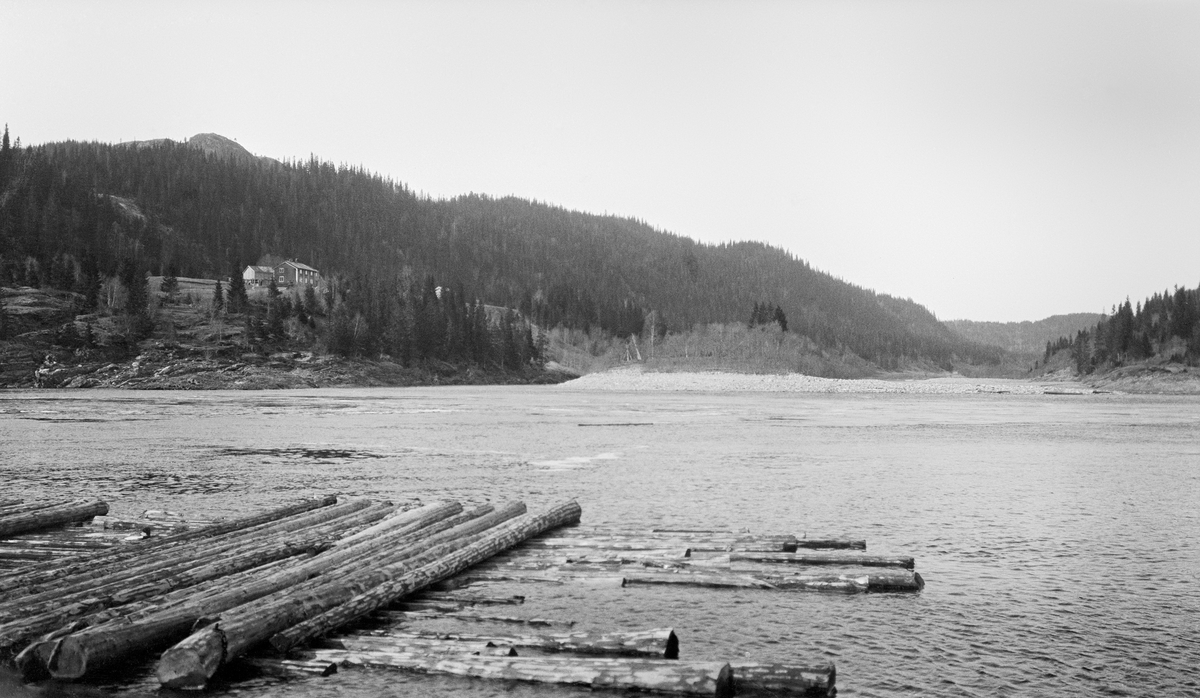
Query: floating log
[[92, 649], [411, 519], [417, 645], [842, 559], [20, 507], [288, 668], [830, 544], [661, 643], [649, 675], [78, 510], [715, 581], [194, 660], [471, 616], [49, 615], [784, 680], [89, 583], [495, 541], [106, 560], [889, 581], [471, 599], [11, 502]]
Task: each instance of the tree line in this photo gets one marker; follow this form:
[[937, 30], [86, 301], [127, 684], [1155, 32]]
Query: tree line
[[1166, 325], [71, 210]]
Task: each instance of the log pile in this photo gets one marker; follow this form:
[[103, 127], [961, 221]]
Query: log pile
[[325, 584], [299, 570]]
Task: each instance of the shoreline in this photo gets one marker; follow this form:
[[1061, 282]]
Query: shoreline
[[637, 380]]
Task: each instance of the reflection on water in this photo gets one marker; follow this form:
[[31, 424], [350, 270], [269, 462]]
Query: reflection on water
[[1059, 536]]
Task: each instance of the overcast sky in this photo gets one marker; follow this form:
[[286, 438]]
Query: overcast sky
[[992, 160]]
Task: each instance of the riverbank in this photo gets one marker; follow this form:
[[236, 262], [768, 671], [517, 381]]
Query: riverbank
[[165, 367], [633, 378]]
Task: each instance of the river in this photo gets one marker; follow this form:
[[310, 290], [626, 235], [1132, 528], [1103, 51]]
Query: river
[[1059, 535]]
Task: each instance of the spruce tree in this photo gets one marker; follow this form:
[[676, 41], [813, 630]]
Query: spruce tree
[[218, 299], [236, 301]]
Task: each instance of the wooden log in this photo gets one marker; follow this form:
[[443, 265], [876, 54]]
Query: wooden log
[[94, 649], [176, 561], [661, 643], [841, 559], [830, 544], [669, 676], [785, 680], [109, 558], [195, 660], [10, 502], [427, 645], [715, 581], [50, 615], [292, 668], [473, 616], [889, 581], [471, 599], [33, 661], [78, 510], [20, 507], [412, 519], [495, 541]]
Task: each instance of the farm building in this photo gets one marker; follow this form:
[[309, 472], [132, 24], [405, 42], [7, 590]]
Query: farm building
[[292, 273], [257, 276]]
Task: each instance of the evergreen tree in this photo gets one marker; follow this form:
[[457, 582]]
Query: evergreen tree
[[218, 298], [237, 300]]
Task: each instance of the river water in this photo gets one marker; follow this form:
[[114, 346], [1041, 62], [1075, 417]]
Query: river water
[[1059, 536]]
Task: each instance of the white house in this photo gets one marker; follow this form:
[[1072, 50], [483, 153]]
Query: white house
[[257, 276]]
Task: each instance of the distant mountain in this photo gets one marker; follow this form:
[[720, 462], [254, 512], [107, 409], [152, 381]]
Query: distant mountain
[[65, 215], [1024, 337]]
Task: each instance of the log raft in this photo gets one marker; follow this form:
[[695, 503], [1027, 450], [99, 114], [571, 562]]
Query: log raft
[[276, 580]]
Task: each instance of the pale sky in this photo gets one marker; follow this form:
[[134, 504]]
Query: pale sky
[[997, 160]]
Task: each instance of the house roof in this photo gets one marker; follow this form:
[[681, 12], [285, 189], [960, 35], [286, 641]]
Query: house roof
[[264, 270], [297, 265]]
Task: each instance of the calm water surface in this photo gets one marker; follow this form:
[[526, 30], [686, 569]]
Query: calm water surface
[[1059, 536]]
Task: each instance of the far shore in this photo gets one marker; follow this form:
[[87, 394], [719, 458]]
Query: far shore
[[635, 378]]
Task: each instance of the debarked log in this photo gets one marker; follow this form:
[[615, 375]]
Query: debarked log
[[660, 643], [882, 581], [78, 510], [842, 559], [752, 678], [669, 676]]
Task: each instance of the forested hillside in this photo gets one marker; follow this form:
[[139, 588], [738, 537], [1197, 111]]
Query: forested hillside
[[1166, 327], [1028, 337], [72, 213]]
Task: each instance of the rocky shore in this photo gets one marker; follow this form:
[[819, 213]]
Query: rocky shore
[[163, 367]]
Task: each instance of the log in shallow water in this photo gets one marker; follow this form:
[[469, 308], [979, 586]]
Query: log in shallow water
[[69, 512], [668, 676]]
